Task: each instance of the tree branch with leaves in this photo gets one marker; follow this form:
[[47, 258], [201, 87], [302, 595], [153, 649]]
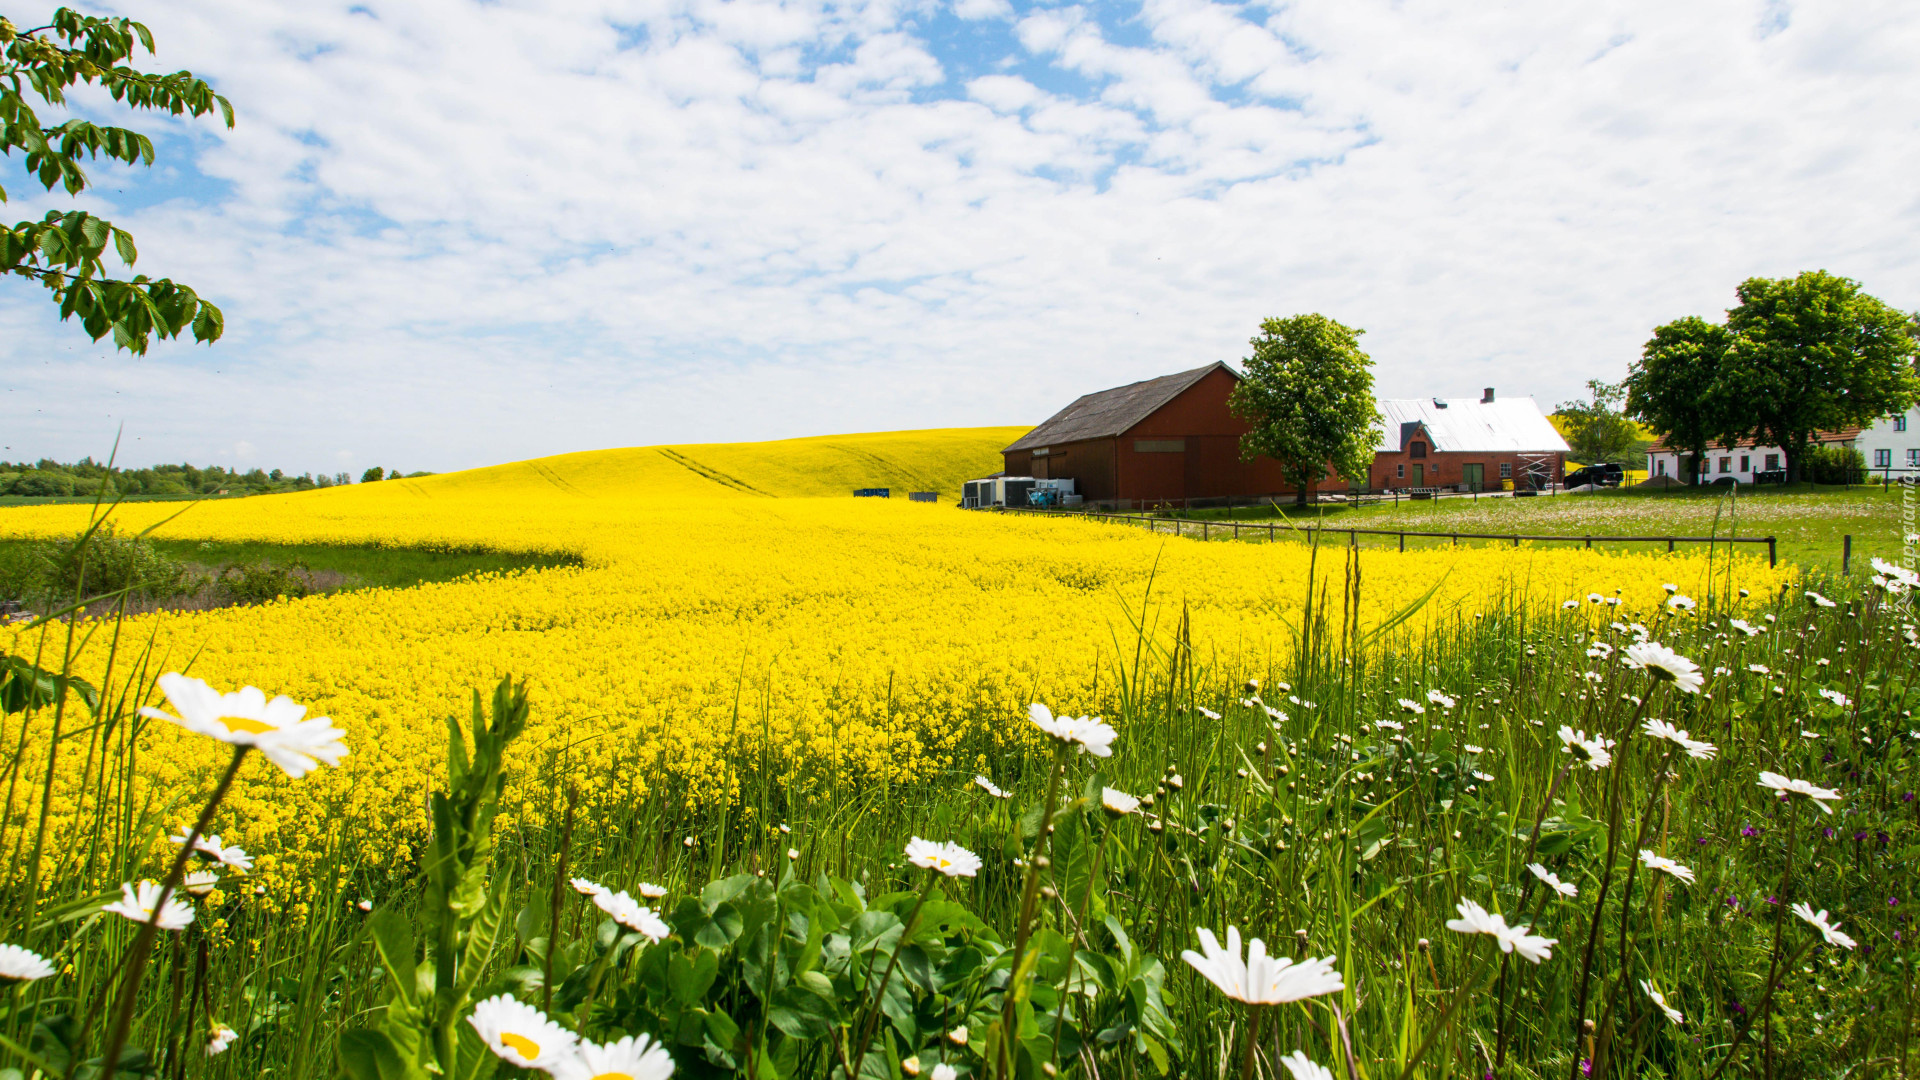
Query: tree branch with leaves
[[66, 250]]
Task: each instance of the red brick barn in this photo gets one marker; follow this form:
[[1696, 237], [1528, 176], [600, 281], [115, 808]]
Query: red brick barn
[[1169, 439], [1463, 444]]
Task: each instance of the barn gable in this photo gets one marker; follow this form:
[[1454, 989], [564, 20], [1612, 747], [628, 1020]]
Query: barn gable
[[1111, 413]]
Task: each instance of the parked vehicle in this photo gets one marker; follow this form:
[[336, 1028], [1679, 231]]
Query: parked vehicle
[[1601, 475]]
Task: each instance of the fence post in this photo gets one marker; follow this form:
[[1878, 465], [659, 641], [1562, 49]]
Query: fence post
[[1770, 553], [1203, 530], [1403, 535], [1846, 553], [1669, 545]]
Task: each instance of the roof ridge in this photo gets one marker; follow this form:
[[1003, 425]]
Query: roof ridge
[[1111, 412]]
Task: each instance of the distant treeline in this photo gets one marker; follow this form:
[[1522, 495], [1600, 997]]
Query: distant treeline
[[49, 478]]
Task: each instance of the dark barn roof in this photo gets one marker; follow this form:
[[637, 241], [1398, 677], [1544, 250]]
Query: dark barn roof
[[1110, 412]]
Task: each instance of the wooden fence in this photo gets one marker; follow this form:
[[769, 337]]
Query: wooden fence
[[1274, 531]]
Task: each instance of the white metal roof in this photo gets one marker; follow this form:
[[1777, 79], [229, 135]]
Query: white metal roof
[[1513, 425]]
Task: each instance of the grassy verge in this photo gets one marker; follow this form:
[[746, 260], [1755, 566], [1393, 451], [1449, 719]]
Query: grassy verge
[[1808, 522]]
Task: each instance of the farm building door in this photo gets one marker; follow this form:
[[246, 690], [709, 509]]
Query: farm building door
[[1419, 475], [1474, 475]]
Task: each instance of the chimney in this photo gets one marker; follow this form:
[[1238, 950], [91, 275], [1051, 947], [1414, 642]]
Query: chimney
[[1486, 397]]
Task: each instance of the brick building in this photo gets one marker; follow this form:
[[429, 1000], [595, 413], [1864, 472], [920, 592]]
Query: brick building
[[1466, 444]]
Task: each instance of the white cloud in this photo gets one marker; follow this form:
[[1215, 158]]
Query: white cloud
[[456, 233], [983, 9]]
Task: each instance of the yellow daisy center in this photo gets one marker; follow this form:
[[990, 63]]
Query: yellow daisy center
[[241, 723], [942, 861], [614, 1076], [526, 1047]]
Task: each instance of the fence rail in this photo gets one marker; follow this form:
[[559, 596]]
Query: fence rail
[[1274, 531]]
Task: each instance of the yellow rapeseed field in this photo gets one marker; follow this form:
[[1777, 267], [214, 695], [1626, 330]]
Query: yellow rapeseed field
[[712, 623]]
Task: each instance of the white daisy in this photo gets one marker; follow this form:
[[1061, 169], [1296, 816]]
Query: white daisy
[[1660, 729], [636, 1057], [1671, 588], [1302, 1067], [1475, 919], [944, 1071], [1595, 598], [18, 965], [1118, 803], [1820, 796], [213, 849], [1088, 733], [522, 1035], [1836, 697], [1599, 650], [588, 887], [1673, 1014], [629, 913], [990, 788], [1392, 726], [138, 904], [1596, 752], [1665, 665], [1570, 604], [958, 1036], [1413, 707], [199, 883], [950, 859], [1564, 888], [1759, 669], [1746, 627], [1898, 575], [219, 1038], [1440, 699], [1472, 749], [1661, 862], [1681, 603], [1830, 931], [1820, 601], [1260, 979], [1206, 712], [649, 891], [276, 728]]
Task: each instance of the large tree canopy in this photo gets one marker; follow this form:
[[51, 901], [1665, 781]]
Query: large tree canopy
[[66, 250], [1795, 357], [1814, 353], [1308, 393], [1675, 387]]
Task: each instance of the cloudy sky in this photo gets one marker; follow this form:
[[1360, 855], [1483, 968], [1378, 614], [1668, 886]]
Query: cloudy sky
[[448, 233]]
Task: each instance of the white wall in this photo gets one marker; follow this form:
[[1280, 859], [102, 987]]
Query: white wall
[[1901, 447]]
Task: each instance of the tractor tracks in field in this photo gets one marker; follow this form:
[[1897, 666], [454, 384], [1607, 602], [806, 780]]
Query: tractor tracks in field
[[546, 472], [712, 474]]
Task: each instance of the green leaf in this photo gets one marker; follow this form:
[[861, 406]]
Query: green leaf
[[393, 937], [371, 1055], [691, 973], [806, 1009]]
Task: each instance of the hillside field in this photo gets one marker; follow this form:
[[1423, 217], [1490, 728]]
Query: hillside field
[[744, 671]]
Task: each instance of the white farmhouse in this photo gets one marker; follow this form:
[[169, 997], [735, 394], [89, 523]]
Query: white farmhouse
[[1746, 460]]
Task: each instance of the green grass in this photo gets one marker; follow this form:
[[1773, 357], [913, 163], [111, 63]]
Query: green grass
[[1808, 522], [345, 567], [1350, 824]]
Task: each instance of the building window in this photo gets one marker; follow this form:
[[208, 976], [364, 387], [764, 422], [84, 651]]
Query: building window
[[1726, 464], [1744, 463], [1913, 458], [1417, 450], [1400, 471], [1660, 467], [1883, 459], [1159, 446], [1042, 452], [1900, 422], [1773, 462], [1506, 470]]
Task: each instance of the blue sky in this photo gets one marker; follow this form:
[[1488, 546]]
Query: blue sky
[[449, 233]]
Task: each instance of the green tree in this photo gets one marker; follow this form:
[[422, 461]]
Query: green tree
[[373, 475], [1596, 429], [67, 249], [1813, 353], [1676, 389], [1308, 393]]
